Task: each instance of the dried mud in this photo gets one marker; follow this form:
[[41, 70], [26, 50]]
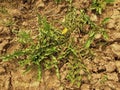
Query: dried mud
[[23, 14]]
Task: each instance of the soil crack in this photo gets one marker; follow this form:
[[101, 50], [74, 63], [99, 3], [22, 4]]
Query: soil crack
[[10, 82]]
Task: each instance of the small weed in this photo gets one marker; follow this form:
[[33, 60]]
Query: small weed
[[51, 46], [103, 79], [45, 51], [3, 10], [99, 5], [96, 29], [42, 53], [75, 67], [77, 23], [24, 37], [8, 22]]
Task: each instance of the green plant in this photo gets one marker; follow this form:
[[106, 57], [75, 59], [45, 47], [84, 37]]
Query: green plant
[[75, 24], [3, 10], [76, 66], [41, 51], [96, 29], [50, 47], [100, 5], [78, 23], [45, 51], [8, 22], [103, 79]]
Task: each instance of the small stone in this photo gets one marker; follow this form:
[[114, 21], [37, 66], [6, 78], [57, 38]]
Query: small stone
[[116, 49], [78, 12], [85, 87], [110, 67], [96, 76], [93, 17], [61, 88], [118, 9], [82, 72], [111, 24], [98, 36], [101, 68], [2, 70], [112, 76], [40, 4], [25, 24]]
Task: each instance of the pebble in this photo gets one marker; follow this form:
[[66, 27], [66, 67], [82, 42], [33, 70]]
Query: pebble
[[96, 76], [93, 17], [98, 36], [85, 87], [116, 49], [25, 24], [40, 4], [110, 67]]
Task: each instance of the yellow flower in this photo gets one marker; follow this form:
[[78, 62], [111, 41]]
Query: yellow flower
[[64, 31]]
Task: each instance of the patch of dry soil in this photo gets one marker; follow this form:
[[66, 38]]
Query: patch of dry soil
[[22, 15]]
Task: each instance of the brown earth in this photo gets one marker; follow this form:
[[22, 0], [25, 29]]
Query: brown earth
[[22, 15]]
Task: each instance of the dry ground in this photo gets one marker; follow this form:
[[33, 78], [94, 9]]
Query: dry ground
[[22, 15]]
